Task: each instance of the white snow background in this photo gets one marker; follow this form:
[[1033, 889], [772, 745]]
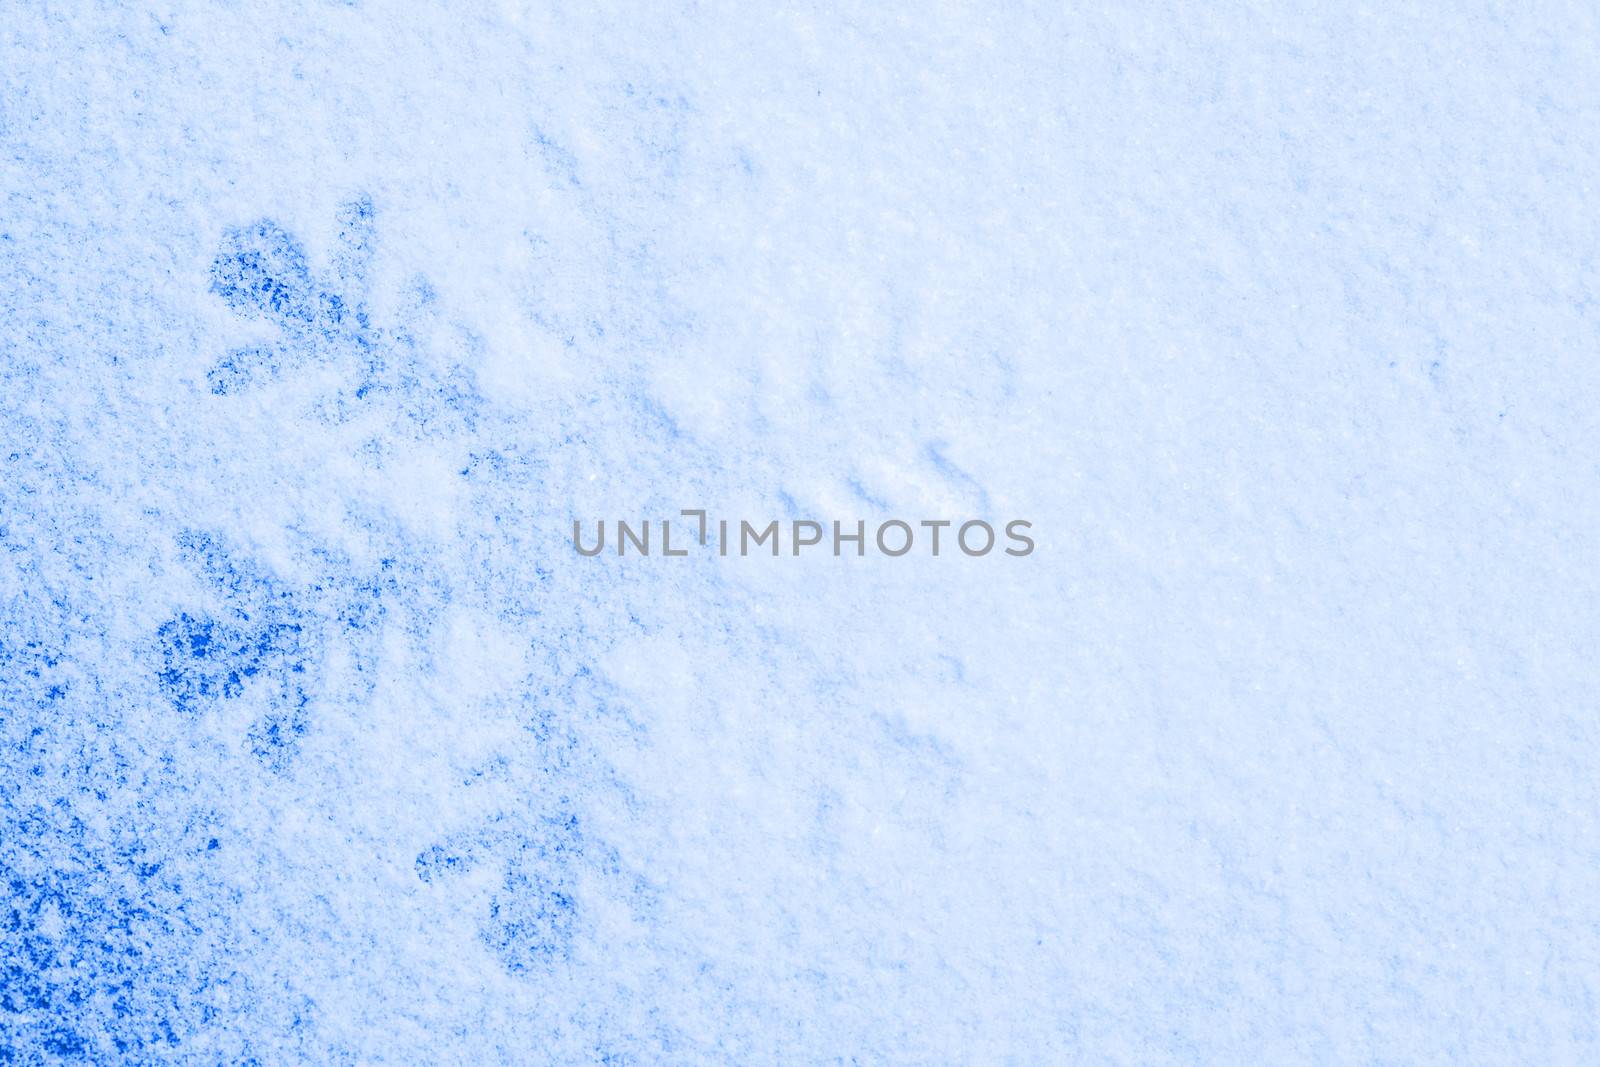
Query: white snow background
[[320, 323]]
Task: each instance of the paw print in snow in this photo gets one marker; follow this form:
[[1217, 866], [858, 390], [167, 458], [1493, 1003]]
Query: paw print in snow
[[261, 271]]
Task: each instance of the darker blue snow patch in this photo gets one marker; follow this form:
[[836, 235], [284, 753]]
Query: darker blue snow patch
[[202, 661], [437, 861], [205, 660], [243, 368], [259, 639], [261, 271], [275, 739], [533, 918]]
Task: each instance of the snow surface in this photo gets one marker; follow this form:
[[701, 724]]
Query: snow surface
[[321, 322]]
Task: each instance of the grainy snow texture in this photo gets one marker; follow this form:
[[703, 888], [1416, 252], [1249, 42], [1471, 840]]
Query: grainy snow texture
[[320, 323]]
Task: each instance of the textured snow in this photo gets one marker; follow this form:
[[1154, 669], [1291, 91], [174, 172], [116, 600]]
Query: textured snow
[[320, 323]]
